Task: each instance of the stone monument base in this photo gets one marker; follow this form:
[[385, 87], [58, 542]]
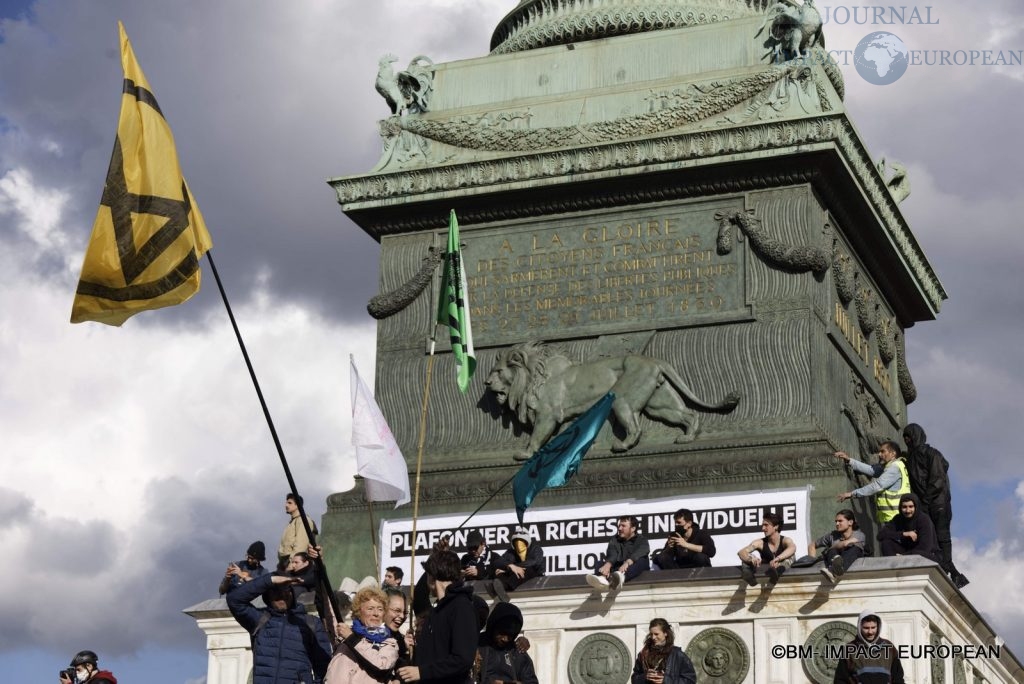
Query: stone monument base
[[733, 633]]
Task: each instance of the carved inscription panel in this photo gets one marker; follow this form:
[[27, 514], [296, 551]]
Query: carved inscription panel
[[608, 272]]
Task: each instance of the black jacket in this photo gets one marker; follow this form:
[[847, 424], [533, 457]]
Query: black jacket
[[875, 662], [928, 470], [927, 544], [446, 646], [534, 559], [619, 550], [504, 664], [678, 668]]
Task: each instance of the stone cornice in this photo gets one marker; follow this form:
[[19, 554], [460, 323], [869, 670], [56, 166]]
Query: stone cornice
[[630, 157], [540, 23], [611, 476]]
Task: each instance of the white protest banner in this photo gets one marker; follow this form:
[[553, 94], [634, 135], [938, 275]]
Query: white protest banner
[[575, 537]]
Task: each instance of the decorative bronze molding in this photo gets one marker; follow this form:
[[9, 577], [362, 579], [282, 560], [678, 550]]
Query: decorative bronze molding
[[540, 23], [796, 258], [704, 101], [907, 387], [388, 304]]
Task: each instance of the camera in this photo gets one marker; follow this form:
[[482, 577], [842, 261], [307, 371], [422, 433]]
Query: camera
[[69, 674]]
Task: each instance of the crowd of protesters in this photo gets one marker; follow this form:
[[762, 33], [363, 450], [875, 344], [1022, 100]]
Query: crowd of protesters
[[457, 637]]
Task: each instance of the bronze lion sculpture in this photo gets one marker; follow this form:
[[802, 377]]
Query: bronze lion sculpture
[[543, 389]]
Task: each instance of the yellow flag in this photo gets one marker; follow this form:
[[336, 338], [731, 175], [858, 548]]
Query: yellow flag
[[149, 235]]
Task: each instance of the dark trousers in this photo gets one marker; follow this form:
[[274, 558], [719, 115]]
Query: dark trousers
[[942, 519], [670, 559], [510, 581], [849, 554], [642, 565]]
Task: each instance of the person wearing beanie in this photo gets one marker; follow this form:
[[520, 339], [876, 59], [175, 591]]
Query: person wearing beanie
[[245, 570], [524, 560]]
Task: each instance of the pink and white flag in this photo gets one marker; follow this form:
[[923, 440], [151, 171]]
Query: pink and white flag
[[378, 458]]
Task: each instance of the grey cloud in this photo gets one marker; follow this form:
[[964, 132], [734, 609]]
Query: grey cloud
[[15, 508]]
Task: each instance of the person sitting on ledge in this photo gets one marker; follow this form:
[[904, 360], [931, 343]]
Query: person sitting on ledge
[[910, 533], [688, 547], [523, 561], [476, 562], [842, 546], [625, 558], [773, 551]]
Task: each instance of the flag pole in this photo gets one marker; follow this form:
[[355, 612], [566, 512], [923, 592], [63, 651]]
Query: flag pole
[[321, 568], [373, 538], [419, 466], [486, 501]]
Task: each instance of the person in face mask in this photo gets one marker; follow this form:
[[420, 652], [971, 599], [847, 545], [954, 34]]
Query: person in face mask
[[85, 668], [525, 560]]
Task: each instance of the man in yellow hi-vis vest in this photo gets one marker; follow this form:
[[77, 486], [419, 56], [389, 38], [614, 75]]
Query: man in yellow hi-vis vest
[[889, 484]]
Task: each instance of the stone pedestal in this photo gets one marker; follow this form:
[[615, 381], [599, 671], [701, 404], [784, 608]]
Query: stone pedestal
[[228, 645], [671, 192], [734, 633]]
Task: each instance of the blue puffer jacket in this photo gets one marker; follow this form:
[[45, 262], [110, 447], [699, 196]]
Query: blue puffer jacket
[[285, 649]]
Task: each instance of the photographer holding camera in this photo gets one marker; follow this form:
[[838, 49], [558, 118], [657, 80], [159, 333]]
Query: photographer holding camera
[[85, 668], [687, 547]]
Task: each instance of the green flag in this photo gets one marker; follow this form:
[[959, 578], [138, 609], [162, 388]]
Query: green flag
[[452, 309]]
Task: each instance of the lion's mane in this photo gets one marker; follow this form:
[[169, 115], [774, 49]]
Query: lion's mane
[[529, 364]]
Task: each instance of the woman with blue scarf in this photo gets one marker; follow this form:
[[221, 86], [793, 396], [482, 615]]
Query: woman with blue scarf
[[368, 652]]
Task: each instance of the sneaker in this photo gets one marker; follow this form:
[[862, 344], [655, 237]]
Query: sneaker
[[747, 572], [828, 574], [960, 581], [616, 580], [500, 592], [598, 581], [838, 566]]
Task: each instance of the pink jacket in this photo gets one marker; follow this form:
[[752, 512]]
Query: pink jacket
[[359, 661]]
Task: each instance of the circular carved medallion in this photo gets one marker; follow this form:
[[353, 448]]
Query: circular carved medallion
[[600, 659], [719, 656], [818, 668]]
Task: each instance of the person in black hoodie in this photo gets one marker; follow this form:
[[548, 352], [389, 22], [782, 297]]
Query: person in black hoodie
[[910, 532], [928, 470], [498, 661], [870, 659], [446, 644]]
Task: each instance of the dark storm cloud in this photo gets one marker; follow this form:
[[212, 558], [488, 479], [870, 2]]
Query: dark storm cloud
[[260, 123]]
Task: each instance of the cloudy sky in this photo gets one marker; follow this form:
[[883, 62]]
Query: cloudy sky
[[137, 460]]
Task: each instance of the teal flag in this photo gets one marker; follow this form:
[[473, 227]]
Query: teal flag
[[556, 462], [453, 309]]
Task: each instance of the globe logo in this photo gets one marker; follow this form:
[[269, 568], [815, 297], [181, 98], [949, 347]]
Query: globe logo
[[880, 58]]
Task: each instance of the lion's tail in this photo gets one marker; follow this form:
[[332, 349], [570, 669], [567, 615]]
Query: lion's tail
[[730, 402]]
